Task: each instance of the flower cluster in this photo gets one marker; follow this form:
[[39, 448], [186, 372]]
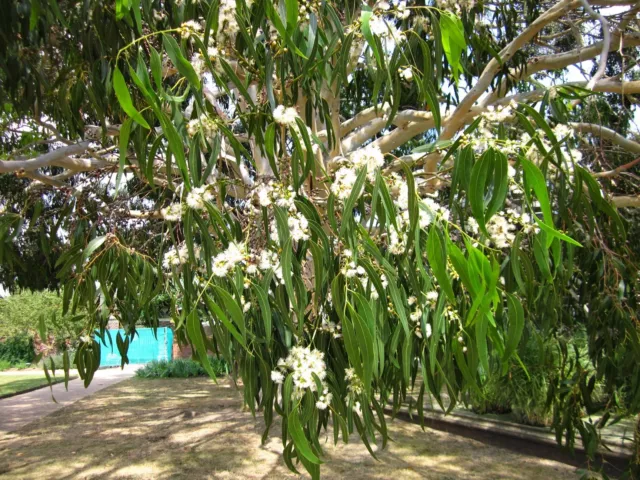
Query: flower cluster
[[416, 315], [298, 228], [189, 28], [204, 124], [173, 212], [306, 7], [355, 388], [343, 182], [406, 74], [272, 192], [349, 268], [303, 363], [400, 11], [371, 157], [285, 115], [268, 260], [456, 6], [384, 28], [228, 26], [431, 298], [429, 208], [198, 197], [385, 284], [501, 231], [346, 174], [330, 327], [226, 261], [397, 241], [174, 257], [502, 227]]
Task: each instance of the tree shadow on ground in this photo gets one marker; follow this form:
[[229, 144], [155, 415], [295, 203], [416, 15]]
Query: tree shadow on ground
[[192, 428]]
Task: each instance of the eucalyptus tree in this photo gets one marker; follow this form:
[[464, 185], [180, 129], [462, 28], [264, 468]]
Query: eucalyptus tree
[[351, 195]]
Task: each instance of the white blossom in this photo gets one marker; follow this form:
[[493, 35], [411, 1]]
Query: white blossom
[[277, 376], [285, 115], [172, 213], [226, 261], [304, 363], [406, 74]]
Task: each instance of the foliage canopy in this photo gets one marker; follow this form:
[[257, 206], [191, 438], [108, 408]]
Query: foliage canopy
[[350, 195]]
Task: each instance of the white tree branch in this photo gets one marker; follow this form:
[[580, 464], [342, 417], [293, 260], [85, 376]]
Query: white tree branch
[[607, 134], [457, 119], [48, 159], [606, 43]]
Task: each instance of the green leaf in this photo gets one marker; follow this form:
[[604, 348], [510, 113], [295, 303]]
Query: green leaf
[[122, 93], [194, 329], [175, 144], [233, 308], [534, 179], [453, 42], [182, 64], [552, 232], [437, 256], [156, 68], [347, 213], [299, 440], [92, 246], [477, 185], [235, 80], [365, 17], [481, 342], [263, 300], [500, 184], [516, 327], [220, 315], [292, 16]]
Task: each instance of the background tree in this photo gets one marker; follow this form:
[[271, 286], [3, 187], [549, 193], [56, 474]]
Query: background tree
[[351, 195]]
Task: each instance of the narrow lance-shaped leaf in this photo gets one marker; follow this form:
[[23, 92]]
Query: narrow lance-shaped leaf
[[122, 93]]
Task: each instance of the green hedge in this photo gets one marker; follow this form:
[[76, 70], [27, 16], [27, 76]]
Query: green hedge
[[17, 349], [181, 368], [20, 312]]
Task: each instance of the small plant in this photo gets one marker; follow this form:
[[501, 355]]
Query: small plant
[[4, 365], [181, 368], [58, 361]]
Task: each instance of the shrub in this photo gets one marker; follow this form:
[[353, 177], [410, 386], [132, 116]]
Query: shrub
[[17, 349], [181, 368], [20, 314], [57, 360], [4, 365]]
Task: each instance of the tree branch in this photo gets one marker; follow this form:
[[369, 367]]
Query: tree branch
[[456, 120], [608, 134], [48, 159], [617, 170], [606, 43], [625, 201]]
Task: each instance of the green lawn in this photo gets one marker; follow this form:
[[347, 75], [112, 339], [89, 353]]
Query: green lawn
[[12, 384]]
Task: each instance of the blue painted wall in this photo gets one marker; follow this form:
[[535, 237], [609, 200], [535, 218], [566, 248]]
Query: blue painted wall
[[144, 347]]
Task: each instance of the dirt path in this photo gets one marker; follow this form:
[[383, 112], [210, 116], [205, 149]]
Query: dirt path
[[192, 429], [19, 410]]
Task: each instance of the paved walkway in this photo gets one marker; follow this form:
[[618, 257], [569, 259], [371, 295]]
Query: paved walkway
[[34, 371], [17, 411]]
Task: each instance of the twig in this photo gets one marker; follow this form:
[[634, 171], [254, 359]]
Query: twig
[[617, 170]]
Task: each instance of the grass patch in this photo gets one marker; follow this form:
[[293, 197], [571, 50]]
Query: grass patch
[[13, 384]]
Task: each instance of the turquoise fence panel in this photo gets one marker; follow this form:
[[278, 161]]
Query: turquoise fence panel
[[144, 347]]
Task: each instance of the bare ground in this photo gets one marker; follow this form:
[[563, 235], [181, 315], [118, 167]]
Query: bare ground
[[173, 428]]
